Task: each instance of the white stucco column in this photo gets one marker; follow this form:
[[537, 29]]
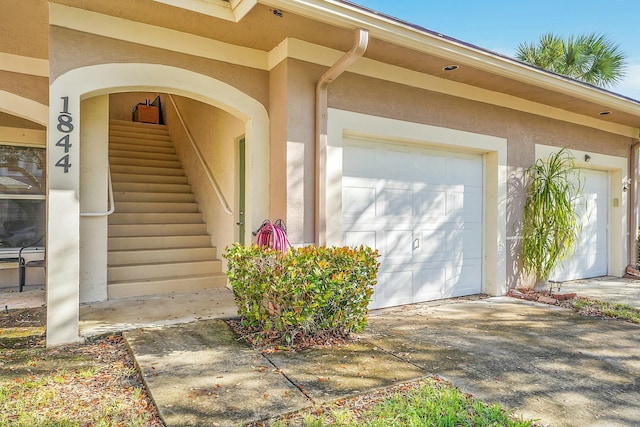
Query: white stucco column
[[63, 208], [94, 171]]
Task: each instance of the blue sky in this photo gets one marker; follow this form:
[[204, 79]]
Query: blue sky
[[501, 25]]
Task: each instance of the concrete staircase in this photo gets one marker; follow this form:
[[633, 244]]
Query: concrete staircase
[[158, 241]]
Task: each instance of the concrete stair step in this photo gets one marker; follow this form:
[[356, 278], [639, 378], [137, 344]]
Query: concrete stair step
[[151, 187], [152, 271], [193, 283], [160, 179], [158, 242], [148, 256], [155, 218], [133, 196], [126, 243], [145, 170], [144, 127], [126, 207], [123, 230], [137, 128], [144, 148], [149, 155], [140, 141], [175, 164]]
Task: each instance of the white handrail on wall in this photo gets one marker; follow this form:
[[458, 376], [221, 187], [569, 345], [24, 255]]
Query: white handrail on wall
[[112, 204], [212, 179]]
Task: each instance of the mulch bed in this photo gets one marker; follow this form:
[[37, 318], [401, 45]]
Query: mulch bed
[[543, 297], [275, 341], [560, 300]]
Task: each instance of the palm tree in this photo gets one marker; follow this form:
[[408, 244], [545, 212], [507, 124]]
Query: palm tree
[[591, 58]]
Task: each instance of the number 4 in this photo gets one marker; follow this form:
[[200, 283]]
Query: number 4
[[64, 142], [64, 163]]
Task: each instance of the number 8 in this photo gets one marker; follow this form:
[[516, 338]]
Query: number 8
[[64, 123]]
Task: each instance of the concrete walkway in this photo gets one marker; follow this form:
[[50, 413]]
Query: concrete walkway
[[611, 289], [545, 362]]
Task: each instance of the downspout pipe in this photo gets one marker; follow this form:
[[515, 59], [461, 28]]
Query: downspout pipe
[[356, 52], [632, 244]]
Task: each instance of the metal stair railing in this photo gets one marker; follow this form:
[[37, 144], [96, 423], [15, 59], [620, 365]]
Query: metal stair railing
[[112, 204]]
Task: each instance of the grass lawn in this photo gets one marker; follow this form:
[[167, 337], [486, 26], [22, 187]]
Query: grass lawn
[[426, 403], [93, 384], [589, 307]]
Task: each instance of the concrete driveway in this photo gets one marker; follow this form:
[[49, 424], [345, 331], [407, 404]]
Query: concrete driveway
[[545, 362]]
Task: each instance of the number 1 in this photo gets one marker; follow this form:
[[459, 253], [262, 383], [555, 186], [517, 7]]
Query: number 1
[[65, 105]]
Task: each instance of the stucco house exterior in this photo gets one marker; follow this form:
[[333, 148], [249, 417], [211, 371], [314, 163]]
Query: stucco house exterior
[[352, 127]]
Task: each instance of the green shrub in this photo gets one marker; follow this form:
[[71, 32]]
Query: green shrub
[[310, 291]]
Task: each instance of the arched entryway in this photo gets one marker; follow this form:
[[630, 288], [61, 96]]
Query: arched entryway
[[80, 111]]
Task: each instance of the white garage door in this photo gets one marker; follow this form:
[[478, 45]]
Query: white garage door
[[590, 257], [423, 211]]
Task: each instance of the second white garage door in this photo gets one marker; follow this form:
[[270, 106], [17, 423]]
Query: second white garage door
[[591, 254], [422, 209]]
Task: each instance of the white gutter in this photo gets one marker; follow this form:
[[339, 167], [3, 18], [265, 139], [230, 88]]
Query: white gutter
[[356, 52]]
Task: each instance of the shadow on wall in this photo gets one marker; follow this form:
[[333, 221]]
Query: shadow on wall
[[516, 198]]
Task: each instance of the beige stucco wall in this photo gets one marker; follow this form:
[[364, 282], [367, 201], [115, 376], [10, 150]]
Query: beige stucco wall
[[94, 167], [31, 87], [302, 78], [278, 170], [25, 28], [216, 133], [72, 49], [363, 94], [24, 49]]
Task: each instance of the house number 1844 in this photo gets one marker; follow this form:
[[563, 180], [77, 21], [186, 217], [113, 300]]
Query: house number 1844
[[65, 126]]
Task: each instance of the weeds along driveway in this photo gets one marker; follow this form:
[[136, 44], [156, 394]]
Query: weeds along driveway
[[545, 362]]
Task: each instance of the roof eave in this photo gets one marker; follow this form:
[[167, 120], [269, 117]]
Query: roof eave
[[386, 28]]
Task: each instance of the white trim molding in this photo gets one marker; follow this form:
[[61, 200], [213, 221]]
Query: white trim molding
[[154, 36], [24, 65], [23, 137], [231, 10], [25, 108]]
